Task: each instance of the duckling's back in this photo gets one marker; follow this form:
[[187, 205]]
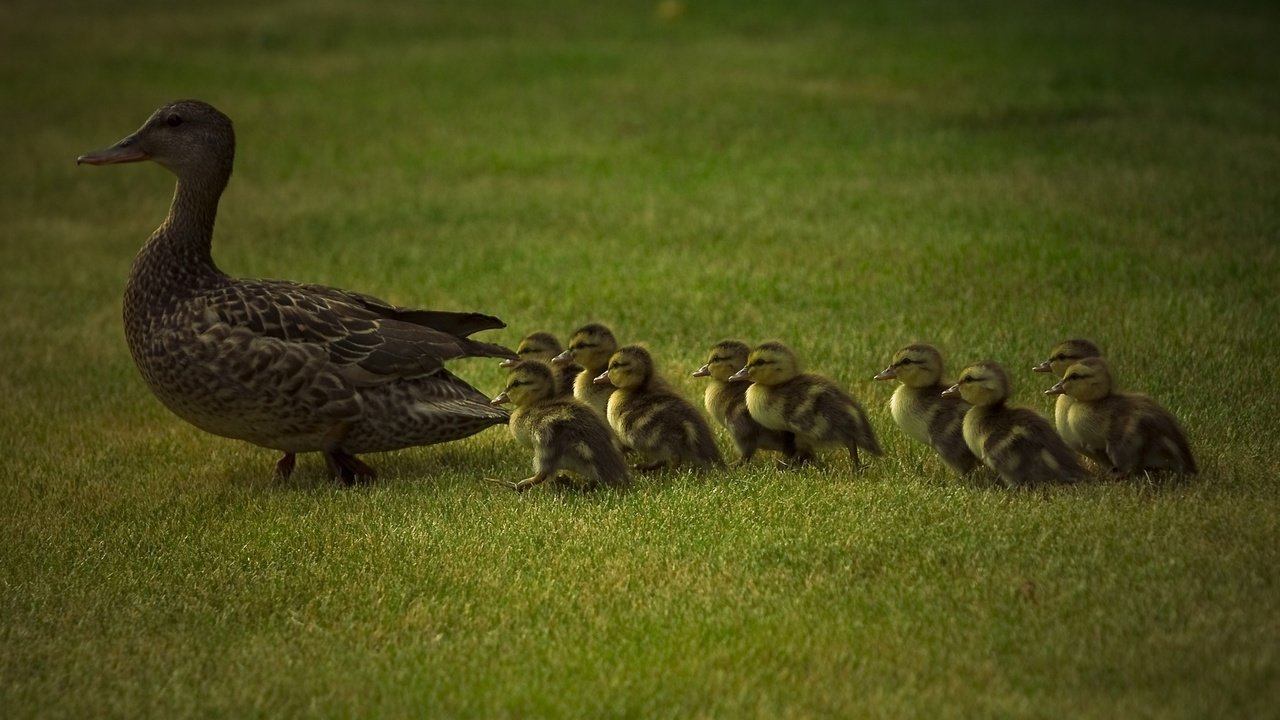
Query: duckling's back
[[664, 426], [565, 434], [1128, 432], [1020, 445]]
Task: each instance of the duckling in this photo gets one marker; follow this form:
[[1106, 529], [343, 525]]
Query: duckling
[[1123, 431], [817, 410], [590, 346], [1064, 355], [563, 433], [650, 418], [727, 402], [1017, 443], [920, 409], [544, 347]]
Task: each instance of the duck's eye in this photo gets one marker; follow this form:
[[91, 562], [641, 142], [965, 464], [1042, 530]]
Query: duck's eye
[[174, 120]]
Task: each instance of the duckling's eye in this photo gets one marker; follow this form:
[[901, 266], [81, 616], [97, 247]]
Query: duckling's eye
[[517, 383], [174, 120]]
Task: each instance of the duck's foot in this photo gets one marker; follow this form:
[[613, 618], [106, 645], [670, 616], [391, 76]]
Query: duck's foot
[[503, 483], [286, 464], [348, 468]]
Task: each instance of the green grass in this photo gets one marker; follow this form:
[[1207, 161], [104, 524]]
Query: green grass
[[990, 177]]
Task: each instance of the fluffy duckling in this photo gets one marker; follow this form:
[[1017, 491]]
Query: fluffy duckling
[[1017, 443], [817, 410], [563, 433], [726, 401], [1064, 355], [1123, 431], [590, 346], [544, 347], [920, 409], [652, 419]]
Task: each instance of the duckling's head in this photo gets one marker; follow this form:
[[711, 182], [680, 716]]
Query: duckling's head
[[590, 346], [769, 364], [1065, 354], [528, 382], [986, 383], [915, 366], [190, 138], [540, 346], [1087, 380], [630, 367], [726, 358]]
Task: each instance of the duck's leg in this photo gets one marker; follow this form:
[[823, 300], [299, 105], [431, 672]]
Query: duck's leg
[[286, 464], [348, 468]]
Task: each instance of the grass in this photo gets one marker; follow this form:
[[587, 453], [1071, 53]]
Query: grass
[[987, 176]]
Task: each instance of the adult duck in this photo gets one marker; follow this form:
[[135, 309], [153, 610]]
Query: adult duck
[[284, 365]]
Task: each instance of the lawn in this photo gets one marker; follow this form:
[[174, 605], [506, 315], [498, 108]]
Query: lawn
[[990, 177]]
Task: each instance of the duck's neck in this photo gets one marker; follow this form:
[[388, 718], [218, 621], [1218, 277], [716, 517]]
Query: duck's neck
[[179, 254]]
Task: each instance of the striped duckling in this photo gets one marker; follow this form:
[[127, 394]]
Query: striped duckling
[[813, 407], [652, 419], [544, 347], [1017, 443], [1124, 431], [726, 401], [919, 408], [1062, 356], [563, 433], [590, 347]]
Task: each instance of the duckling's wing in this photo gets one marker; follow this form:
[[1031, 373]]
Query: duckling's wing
[[366, 342]]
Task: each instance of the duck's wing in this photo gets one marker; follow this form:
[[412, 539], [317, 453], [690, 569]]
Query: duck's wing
[[368, 342]]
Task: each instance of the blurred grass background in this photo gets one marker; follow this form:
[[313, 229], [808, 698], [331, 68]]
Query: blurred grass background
[[848, 177]]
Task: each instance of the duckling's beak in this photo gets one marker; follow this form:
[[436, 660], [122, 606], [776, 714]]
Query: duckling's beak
[[740, 375], [1056, 389], [509, 363], [952, 391], [889, 373], [703, 371], [126, 151], [562, 358], [502, 399], [602, 379], [1042, 367]]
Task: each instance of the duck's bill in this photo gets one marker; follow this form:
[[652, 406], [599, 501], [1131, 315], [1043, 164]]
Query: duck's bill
[[125, 151], [1055, 390], [1042, 367], [509, 363], [703, 371], [740, 376], [953, 391], [500, 400], [602, 379], [888, 374]]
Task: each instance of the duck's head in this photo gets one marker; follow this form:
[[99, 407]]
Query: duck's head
[[1087, 380], [769, 364], [540, 346], [189, 137], [590, 346], [986, 383], [631, 366], [725, 359], [529, 381], [915, 366], [1067, 353]]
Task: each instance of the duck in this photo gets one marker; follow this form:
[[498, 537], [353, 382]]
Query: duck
[[1016, 442], [563, 433], [653, 420], [288, 366], [815, 408], [545, 347], [918, 407], [1062, 356], [590, 347], [1126, 432], [726, 402]]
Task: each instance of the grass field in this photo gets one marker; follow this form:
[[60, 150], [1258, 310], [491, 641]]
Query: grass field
[[847, 177]]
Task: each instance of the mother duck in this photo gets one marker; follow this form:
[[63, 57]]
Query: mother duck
[[293, 367]]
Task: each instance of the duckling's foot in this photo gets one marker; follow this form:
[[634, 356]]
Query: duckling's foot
[[349, 468], [285, 466], [504, 483]]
